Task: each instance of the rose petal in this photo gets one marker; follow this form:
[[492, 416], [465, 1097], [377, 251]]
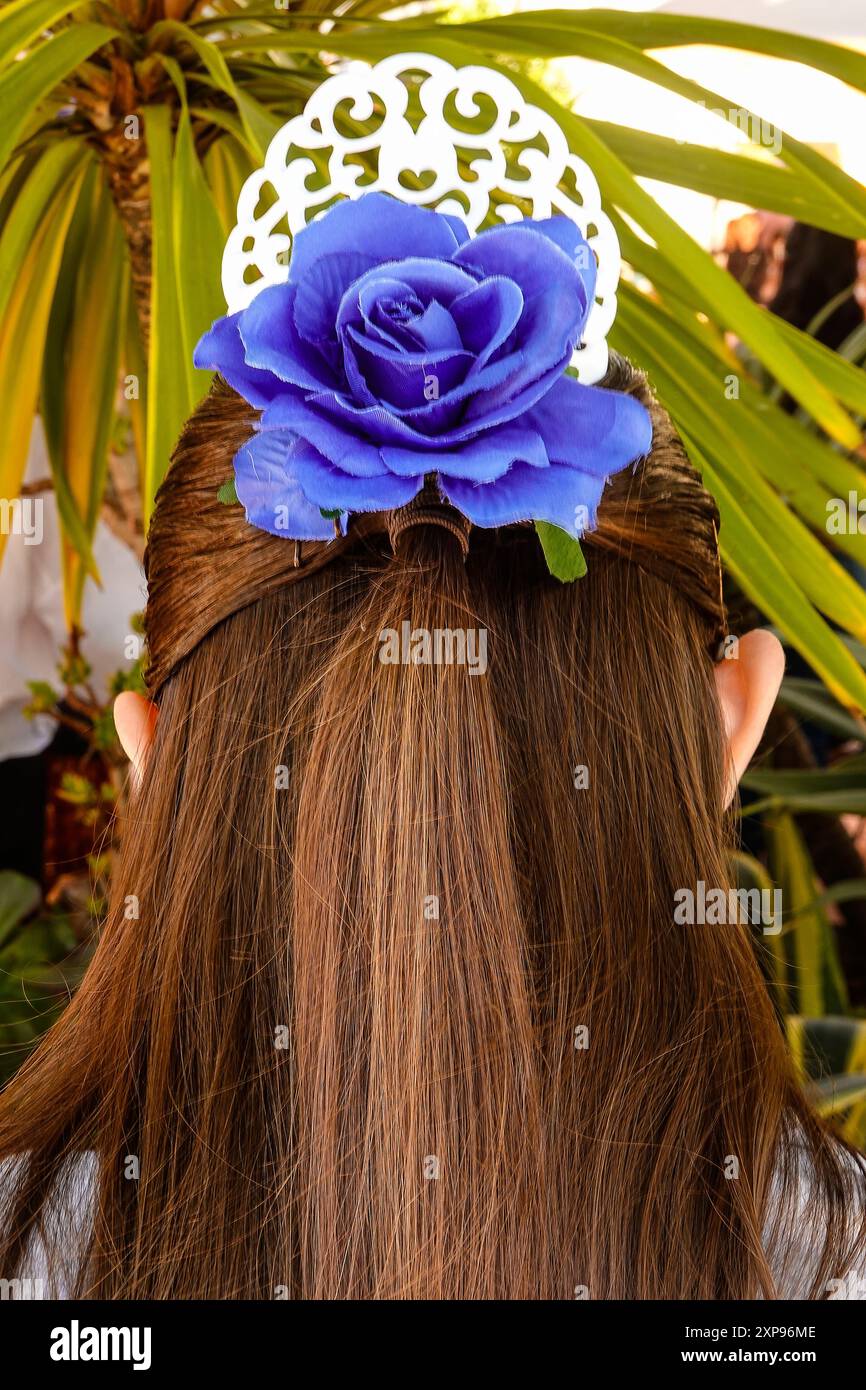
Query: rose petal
[[556, 296], [317, 297], [528, 257], [558, 494], [374, 224], [529, 370], [482, 460], [487, 315], [414, 277], [458, 227], [439, 424], [268, 487], [380, 322], [590, 428], [568, 237], [402, 379], [346, 448], [221, 350], [434, 330], [272, 342], [330, 487], [486, 457]]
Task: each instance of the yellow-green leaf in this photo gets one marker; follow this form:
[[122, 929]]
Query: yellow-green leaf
[[91, 372], [170, 394], [198, 247], [24, 83], [22, 340]]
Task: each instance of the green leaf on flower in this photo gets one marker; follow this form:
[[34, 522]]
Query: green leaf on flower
[[227, 493], [561, 551], [331, 515]]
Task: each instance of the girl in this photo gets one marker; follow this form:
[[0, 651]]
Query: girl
[[392, 1001]]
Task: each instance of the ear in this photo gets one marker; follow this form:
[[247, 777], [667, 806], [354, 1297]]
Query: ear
[[135, 721], [747, 682]]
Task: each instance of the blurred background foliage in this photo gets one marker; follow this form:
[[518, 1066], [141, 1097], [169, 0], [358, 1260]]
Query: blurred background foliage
[[128, 130]]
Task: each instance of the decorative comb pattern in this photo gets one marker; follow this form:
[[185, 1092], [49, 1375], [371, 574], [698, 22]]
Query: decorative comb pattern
[[464, 137]]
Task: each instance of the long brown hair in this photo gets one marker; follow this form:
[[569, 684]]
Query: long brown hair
[[403, 1010]]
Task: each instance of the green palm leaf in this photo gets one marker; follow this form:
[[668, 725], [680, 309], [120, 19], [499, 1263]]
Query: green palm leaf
[[817, 978], [756, 566], [717, 173], [171, 393], [23, 84], [23, 20], [23, 329], [198, 247], [672, 31], [80, 383], [564, 39]]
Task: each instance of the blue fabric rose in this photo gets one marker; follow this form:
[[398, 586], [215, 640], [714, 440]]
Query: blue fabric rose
[[399, 347]]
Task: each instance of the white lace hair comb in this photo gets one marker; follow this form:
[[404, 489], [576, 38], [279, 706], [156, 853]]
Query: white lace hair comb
[[521, 154]]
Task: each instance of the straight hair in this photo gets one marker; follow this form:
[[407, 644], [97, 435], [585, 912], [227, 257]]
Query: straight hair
[[405, 1012]]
